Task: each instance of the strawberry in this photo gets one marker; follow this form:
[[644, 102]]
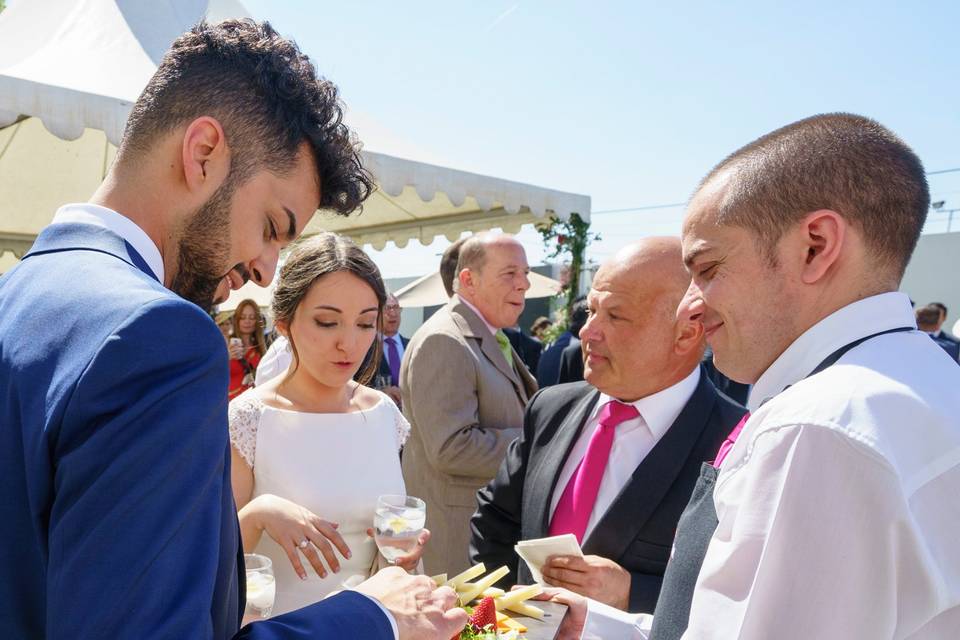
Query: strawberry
[[484, 616]]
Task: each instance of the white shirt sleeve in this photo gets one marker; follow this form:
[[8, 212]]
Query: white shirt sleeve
[[814, 541], [274, 362], [605, 622]]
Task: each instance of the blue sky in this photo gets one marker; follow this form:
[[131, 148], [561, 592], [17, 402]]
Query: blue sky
[[629, 102]]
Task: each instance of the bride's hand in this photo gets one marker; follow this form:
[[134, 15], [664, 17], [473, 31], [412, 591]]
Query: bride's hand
[[410, 561], [298, 530]]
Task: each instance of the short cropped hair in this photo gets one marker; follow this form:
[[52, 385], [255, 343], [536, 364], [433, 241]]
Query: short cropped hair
[[839, 161], [448, 266], [473, 255], [267, 97], [941, 306]]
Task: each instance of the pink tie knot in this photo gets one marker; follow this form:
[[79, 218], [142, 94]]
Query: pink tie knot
[[615, 412]]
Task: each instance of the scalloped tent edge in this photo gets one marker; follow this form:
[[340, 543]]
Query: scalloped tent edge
[[69, 77]]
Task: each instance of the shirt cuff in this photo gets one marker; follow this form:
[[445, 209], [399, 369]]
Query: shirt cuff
[[386, 612], [604, 621]]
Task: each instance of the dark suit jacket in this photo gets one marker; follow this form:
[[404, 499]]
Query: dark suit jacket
[[571, 362], [118, 516], [529, 348], [384, 368], [952, 347], [637, 531], [548, 369], [735, 390]]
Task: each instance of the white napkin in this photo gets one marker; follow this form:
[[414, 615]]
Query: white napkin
[[536, 552]]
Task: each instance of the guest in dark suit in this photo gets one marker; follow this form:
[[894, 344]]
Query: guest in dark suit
[[941, 332], [115, 498], [526, 347], [648, 405], [387, 377], [929, 320], [548, 371], [571, 362]]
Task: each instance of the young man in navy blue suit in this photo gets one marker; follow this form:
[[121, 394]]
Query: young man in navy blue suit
[[118, 518]]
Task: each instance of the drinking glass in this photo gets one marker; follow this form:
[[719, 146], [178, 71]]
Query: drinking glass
[[397, 523], [261, 586]]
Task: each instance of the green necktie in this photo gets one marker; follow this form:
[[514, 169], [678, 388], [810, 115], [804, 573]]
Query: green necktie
[[505, 349]]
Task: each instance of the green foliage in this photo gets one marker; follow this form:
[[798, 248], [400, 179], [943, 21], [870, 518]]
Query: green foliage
[[567, 240]]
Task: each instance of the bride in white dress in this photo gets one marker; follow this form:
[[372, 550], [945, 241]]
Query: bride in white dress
[[312, 449]]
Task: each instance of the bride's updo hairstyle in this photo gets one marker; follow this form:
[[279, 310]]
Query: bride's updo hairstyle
[[312, 259]]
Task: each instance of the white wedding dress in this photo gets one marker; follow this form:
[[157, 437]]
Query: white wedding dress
[[335, 465]]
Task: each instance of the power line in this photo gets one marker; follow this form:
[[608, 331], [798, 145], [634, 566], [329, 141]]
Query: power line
[[651, 207], [643, 208]]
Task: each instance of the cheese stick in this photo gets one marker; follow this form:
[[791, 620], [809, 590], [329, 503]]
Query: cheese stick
[[528, 610], [457, 580], [483, 584], [518, 596]]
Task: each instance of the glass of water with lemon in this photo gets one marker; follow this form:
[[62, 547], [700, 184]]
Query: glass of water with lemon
[[397, 524], [261, 587]]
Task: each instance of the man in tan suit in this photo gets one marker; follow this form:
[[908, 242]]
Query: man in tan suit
[[464, 392]]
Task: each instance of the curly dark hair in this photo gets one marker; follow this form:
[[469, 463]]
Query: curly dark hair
[[268, 98]]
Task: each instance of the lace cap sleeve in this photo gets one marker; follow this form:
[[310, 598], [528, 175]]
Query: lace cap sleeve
[[402, 426], [244, 417]]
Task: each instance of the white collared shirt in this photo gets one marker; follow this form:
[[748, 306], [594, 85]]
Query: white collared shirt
[[86, 213], [633, 440], [838, 505]]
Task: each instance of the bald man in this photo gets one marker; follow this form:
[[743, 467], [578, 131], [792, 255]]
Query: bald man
[[613, 460], [464, 389]]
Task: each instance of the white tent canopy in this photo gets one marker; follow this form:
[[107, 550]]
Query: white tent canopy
[[428, 291], [70, 71]]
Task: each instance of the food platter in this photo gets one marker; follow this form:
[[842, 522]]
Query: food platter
[[495, 613], [547, 627]]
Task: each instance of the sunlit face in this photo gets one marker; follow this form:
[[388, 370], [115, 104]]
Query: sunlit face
[[333, 328], [498, 288], [630, 331], [263, 215], [744, 302], [247, 318], [391, 316]]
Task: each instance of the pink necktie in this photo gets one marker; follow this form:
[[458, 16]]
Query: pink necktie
[[728, 443], [576, 504]]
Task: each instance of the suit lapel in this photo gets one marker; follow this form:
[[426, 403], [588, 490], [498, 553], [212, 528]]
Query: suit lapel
[[555, 454], [75, 236], [653, 477], [473, 326]]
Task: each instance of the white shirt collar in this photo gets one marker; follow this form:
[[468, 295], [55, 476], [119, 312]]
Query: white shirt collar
[[86, 213], [856, 320], [659, 410], [492, 328]]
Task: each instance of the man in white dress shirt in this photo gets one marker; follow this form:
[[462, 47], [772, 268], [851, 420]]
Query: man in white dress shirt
[[836, 512]]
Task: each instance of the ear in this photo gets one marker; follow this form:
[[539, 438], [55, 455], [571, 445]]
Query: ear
[[205, 156], [466, 279], [823, 234], [689, 334], [282, 327]]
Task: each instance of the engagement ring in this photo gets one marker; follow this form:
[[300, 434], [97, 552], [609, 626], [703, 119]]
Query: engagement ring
[[303, 543]]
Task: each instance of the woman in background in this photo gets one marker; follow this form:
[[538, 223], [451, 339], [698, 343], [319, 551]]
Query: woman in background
[[312, 449], [246, 348]]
